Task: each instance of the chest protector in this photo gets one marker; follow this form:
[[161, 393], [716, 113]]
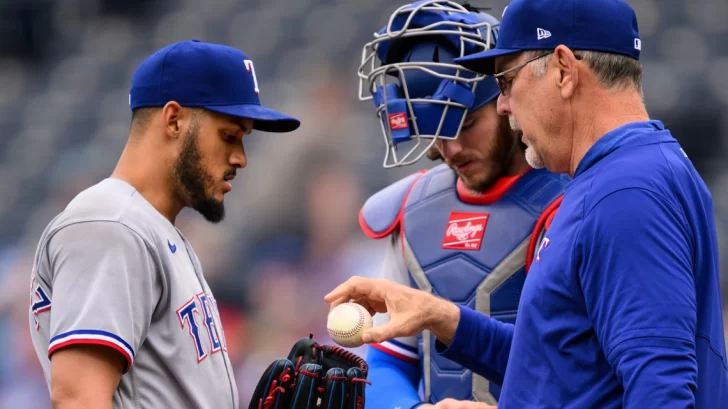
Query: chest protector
[[473, 249]]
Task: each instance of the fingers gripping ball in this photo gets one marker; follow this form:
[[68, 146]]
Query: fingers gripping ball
[[313, 376], [347, 323]]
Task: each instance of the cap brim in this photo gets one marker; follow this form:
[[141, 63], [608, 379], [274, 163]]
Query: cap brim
[[484, 61], [264, 119]]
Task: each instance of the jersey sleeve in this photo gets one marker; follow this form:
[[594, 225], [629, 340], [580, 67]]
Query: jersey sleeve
[[394, 381], [481, 344], [394, 269], [105, 287], [635, 260]]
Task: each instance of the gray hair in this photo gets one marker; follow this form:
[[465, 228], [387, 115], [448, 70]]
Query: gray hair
[[616, 72]]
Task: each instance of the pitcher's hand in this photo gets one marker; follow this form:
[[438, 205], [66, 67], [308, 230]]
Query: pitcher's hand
[[410, 311]]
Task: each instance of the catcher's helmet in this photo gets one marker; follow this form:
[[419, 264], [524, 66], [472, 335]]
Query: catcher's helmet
[[420, 95]]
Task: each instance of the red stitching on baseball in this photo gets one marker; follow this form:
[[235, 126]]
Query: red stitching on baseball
[[353, 331]]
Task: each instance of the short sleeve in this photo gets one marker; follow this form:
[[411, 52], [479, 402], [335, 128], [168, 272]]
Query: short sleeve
[[105, 287]]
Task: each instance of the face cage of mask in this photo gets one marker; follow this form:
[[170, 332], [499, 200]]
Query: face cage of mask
[[377, 76]]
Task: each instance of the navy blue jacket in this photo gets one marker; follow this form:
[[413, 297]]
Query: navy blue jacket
[[621, 307]]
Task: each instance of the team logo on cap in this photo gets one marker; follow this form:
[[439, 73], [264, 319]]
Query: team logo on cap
[[637, 44], [251, 70], [541, 33]]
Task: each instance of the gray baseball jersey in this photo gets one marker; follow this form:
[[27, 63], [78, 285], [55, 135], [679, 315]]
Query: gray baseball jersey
[[111, 270]]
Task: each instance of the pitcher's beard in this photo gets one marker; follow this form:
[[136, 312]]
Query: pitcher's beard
[[192, 179]]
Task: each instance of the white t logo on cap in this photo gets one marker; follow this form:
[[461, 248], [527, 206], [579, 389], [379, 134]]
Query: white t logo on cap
[[637, 44], [251, 70]]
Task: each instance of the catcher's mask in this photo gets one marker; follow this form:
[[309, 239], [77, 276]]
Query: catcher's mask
[[420, 95]]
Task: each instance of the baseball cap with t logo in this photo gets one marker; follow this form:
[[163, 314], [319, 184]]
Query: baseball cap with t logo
[[212, 76]]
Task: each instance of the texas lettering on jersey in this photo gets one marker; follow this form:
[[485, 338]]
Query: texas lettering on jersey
[[201, 305], [204, 306]]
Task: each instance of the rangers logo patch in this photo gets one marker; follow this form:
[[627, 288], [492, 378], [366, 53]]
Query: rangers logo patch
[[465, 231], [544, 244], [398, 121]]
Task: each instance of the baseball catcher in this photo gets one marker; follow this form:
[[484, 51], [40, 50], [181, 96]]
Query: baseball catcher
[[313, 376]]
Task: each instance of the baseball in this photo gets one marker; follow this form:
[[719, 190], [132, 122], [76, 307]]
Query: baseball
[[346, 324]]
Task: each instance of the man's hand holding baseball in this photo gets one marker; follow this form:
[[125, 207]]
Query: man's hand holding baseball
[[410, 311]]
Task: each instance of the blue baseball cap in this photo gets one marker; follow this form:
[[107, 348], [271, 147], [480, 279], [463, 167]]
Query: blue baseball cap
[[594, 25], [211, 76]]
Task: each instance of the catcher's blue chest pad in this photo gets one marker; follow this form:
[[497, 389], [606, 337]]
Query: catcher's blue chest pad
[[457, 244], [456, 257]]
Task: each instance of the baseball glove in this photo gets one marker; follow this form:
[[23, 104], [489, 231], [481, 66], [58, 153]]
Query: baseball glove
[[313, 376]]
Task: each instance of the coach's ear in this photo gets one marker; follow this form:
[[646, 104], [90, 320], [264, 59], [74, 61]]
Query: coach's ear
[[172, 114], [567, 69]]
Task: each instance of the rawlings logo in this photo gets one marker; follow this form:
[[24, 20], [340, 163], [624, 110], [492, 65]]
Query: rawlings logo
[[398, 121], [465, 231]]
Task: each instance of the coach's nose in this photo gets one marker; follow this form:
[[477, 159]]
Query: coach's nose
[[503, 105]]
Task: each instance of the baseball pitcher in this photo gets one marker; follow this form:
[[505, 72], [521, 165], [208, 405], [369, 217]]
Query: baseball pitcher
[[120, 313]]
